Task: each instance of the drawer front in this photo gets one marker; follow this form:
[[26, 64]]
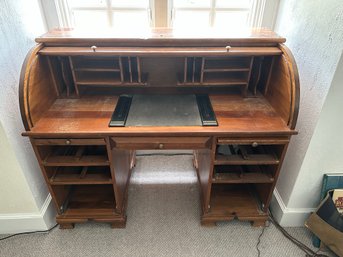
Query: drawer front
[[70, 141], [252, 141], [161, 142]]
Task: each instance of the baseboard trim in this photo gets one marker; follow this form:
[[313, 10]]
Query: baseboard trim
[[25, 222], [288, 217]]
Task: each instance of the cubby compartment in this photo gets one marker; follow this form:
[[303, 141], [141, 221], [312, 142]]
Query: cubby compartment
[[225, 78], [242, 174], [86, 200], [107, 71], [192, 70], [217, 71], [242, 154], [227, 64], [131, 69], [100, 78], [75, 175], [83, 63], [73, 155], [234, 200]]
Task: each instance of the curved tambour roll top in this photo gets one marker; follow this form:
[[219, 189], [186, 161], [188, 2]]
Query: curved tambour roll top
[[36, 91], [49, 71], [283, 92]]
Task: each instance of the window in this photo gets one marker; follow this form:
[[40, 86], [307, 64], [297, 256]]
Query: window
[[211, 13], [103, 14], [136, 15]]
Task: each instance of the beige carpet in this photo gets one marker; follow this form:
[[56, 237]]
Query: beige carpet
[[163, 220]]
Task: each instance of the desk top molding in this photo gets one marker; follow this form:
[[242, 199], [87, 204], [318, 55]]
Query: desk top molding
[[162, 37]]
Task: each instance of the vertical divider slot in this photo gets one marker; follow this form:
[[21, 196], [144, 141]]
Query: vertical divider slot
[[83, 172], [245, 92], [189, 70], [130, 68], [67, 77], [185, 69], [139, 72], [121, 67], [73, 75], [202, 70], [134, 69], [193, 70]]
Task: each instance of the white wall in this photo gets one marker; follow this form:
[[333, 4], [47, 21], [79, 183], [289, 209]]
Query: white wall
[[14, 182], [324, 154], [20, 22], [314, 33]]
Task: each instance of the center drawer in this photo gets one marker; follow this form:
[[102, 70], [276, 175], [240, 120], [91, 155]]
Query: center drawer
[[146, 143]]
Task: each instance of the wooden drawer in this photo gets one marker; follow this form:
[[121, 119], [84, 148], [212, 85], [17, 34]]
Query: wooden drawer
[[70, 141], [161, 142], [252, 141]]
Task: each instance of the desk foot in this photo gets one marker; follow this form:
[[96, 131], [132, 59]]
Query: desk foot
[[209, 220], [258, 223], [208, 223], [67, 225], [115, 221], [118, 224]]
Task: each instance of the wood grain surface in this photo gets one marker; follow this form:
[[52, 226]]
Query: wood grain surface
[[91, 115]]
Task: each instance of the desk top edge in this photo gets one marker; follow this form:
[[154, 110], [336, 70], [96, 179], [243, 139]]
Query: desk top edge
[[160, 35]]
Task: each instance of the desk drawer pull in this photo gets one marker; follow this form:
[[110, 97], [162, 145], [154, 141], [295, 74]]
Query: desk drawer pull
[[93, 48], [68, 142], [254, 144], [160, 146]]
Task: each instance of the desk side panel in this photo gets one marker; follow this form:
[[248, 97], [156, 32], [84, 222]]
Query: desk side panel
[[205, 166], [295, 86], [36, 88], [121, 170], [282, 90]]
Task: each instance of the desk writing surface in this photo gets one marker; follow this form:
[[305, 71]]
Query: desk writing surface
[[91, 115]]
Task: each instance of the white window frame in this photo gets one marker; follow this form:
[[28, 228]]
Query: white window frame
[[212, 10], [64, 12], [56, 13], [257, 16]]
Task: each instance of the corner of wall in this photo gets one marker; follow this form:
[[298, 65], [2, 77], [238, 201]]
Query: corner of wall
[[27, 222], [288, 217]]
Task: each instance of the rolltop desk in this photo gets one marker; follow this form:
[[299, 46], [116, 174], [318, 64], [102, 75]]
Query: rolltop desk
[[69, 87]]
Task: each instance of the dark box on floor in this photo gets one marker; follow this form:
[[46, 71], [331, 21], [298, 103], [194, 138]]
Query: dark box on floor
[[327, 224]]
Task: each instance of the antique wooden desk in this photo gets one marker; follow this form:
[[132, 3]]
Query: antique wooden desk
[[69, 87]]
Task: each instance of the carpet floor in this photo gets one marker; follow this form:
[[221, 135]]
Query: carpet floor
[[163, 220]]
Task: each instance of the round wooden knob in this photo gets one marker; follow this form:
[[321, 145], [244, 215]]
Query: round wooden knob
[[93, 48], [160, 146], [227, 48], [68, 142], [255, 144]]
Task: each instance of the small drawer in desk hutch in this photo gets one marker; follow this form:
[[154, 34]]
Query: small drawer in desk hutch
[[70, 85]]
